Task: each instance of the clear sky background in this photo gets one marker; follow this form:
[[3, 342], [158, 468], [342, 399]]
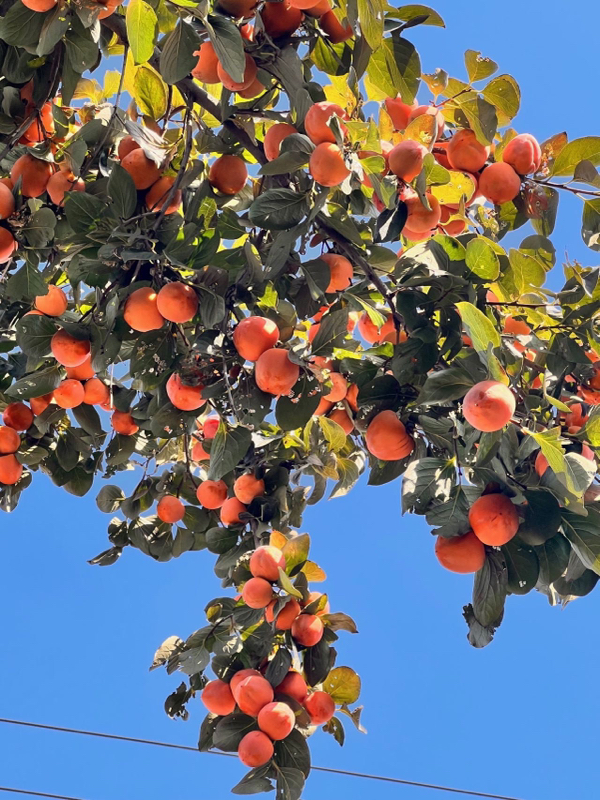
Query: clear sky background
[[518, 718]]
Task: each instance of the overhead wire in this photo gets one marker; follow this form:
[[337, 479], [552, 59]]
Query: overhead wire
[[172, 745]]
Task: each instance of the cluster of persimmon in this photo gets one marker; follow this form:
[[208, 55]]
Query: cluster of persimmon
[[499, 181], [493, 518], [248, 690]]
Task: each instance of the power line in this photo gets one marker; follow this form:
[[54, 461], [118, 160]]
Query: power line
[[172, 745], [38, 794]]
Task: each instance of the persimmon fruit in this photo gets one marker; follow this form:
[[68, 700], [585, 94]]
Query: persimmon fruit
[[341, 272], [170, 509], [253, 336], [9, 440], [228, 174], [212, 494], [274, 373], [207, 64], [177, 302], [247, 487], [499, 183], [320, 707], [217, 698], [266, 561], [277, 720], [523, 153], [255, 749], [327, 165], [488, 406], [386, 437], [183, 397], [53, 304], [494, 519], [122, 422], [143, 170], [67, 350], [307, 629], [317, 118], [10, 469], [406, 159], [462, 554], [141, 310], [69, 393], [294, 686], [253, 693]]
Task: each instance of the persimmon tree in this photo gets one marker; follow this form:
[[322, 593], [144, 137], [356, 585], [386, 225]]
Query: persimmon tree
[[241, 258]]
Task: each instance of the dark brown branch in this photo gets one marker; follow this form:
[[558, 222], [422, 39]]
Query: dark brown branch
[[355, 255]]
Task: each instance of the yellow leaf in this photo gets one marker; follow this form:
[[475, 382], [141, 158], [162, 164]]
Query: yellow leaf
[[277, 539], [343, 685]]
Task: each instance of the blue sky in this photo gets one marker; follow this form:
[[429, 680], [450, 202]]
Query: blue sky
[[518, 718]]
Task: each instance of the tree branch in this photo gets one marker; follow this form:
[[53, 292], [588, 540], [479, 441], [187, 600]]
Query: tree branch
[[355, 255], [193, 92]]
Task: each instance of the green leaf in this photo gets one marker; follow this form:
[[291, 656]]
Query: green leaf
[[295, 551], [150, 91], [371, 19], [484, 336], [141, 22], [110, 498], [84, 211], [285, 583], [571, 469], [229, 446], [591, 432], [294, 412], [590, 224], [585, 149], [26, 283], [489, 590], [459, 185], [396, 68], [584, 535], [478, 67], [332, 332], [278, 209], [504, 94], [542, 517], [444, 386], [253, 783], [414, 11], [231, 730], [290, 783], [553, 557], [122, 191], [36, 384], [177, 58], [482, 259], [39, 230], [343, 685], [293, 752], [34, 334], [21, 26], [228, 43], [317, 662], [333, 433], [523, 567], [55, 26], [81, 50]]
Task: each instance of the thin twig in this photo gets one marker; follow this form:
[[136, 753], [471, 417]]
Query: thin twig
[[355, 255]]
